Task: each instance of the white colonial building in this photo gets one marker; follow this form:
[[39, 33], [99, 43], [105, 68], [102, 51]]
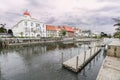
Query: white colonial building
[[29, 27]]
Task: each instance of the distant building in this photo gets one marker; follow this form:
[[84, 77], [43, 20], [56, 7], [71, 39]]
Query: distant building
[[95, 34], [29, 27], [77, 32], [69, 30], [52, 31], [86, 33]]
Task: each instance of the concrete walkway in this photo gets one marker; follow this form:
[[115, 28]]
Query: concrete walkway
[[110, 69]]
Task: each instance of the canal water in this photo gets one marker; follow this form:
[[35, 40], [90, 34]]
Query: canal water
[[43, 62]]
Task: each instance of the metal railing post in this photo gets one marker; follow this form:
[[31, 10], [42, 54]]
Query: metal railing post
[[77, 62], [90, 51], [62, 57], [84, 56]]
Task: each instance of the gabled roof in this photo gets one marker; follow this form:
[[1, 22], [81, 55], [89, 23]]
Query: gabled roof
[[67, 28], [51, 28]]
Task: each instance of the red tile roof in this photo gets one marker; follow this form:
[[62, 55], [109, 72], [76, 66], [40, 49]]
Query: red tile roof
[[51, 28], [67, 28]]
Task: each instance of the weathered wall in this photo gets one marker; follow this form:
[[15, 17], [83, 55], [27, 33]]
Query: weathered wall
[[113, 51]]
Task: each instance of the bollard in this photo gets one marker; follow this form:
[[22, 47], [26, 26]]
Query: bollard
[[71, 53], [94, 49], [77, 62], [90, 51], [78, 50], [84, 56], [84, 47], [97, 48], [62, 57]]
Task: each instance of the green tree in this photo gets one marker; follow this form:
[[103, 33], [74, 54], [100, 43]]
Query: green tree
[[10, 32], [117, 33], [3, 29], [62, 33], [102, 34]]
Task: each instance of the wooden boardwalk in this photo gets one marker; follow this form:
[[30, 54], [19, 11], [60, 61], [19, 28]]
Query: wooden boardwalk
[[76, 63]]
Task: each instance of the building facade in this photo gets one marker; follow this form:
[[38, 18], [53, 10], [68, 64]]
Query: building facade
[[29, 27], [86, 33], [69, 30], [52, 31], [77, 32]]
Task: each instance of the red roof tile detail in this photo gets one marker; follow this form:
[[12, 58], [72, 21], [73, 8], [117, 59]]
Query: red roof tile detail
[[51, 28], [67, 28]]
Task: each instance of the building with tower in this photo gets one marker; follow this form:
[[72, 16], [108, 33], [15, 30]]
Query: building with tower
[[29, 27]]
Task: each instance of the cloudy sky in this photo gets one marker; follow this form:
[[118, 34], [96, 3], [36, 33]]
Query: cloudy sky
[[95, 15]]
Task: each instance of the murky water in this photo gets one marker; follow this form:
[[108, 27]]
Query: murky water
[[43, 62]]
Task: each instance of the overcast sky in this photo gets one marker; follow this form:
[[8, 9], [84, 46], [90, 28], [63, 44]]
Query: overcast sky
[[95, 15]]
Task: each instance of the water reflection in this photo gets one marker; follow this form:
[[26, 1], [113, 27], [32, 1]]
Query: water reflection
[[43, 62], [42, 48]]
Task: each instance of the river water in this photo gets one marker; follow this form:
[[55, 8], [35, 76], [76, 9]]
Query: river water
[[43, 62]]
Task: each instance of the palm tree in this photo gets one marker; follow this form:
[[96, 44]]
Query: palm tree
[[118, 28], [117, 33]]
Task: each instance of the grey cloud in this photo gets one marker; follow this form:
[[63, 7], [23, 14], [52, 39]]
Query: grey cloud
[[108, 9], [92, 19], [114, 1], [51, 20]]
